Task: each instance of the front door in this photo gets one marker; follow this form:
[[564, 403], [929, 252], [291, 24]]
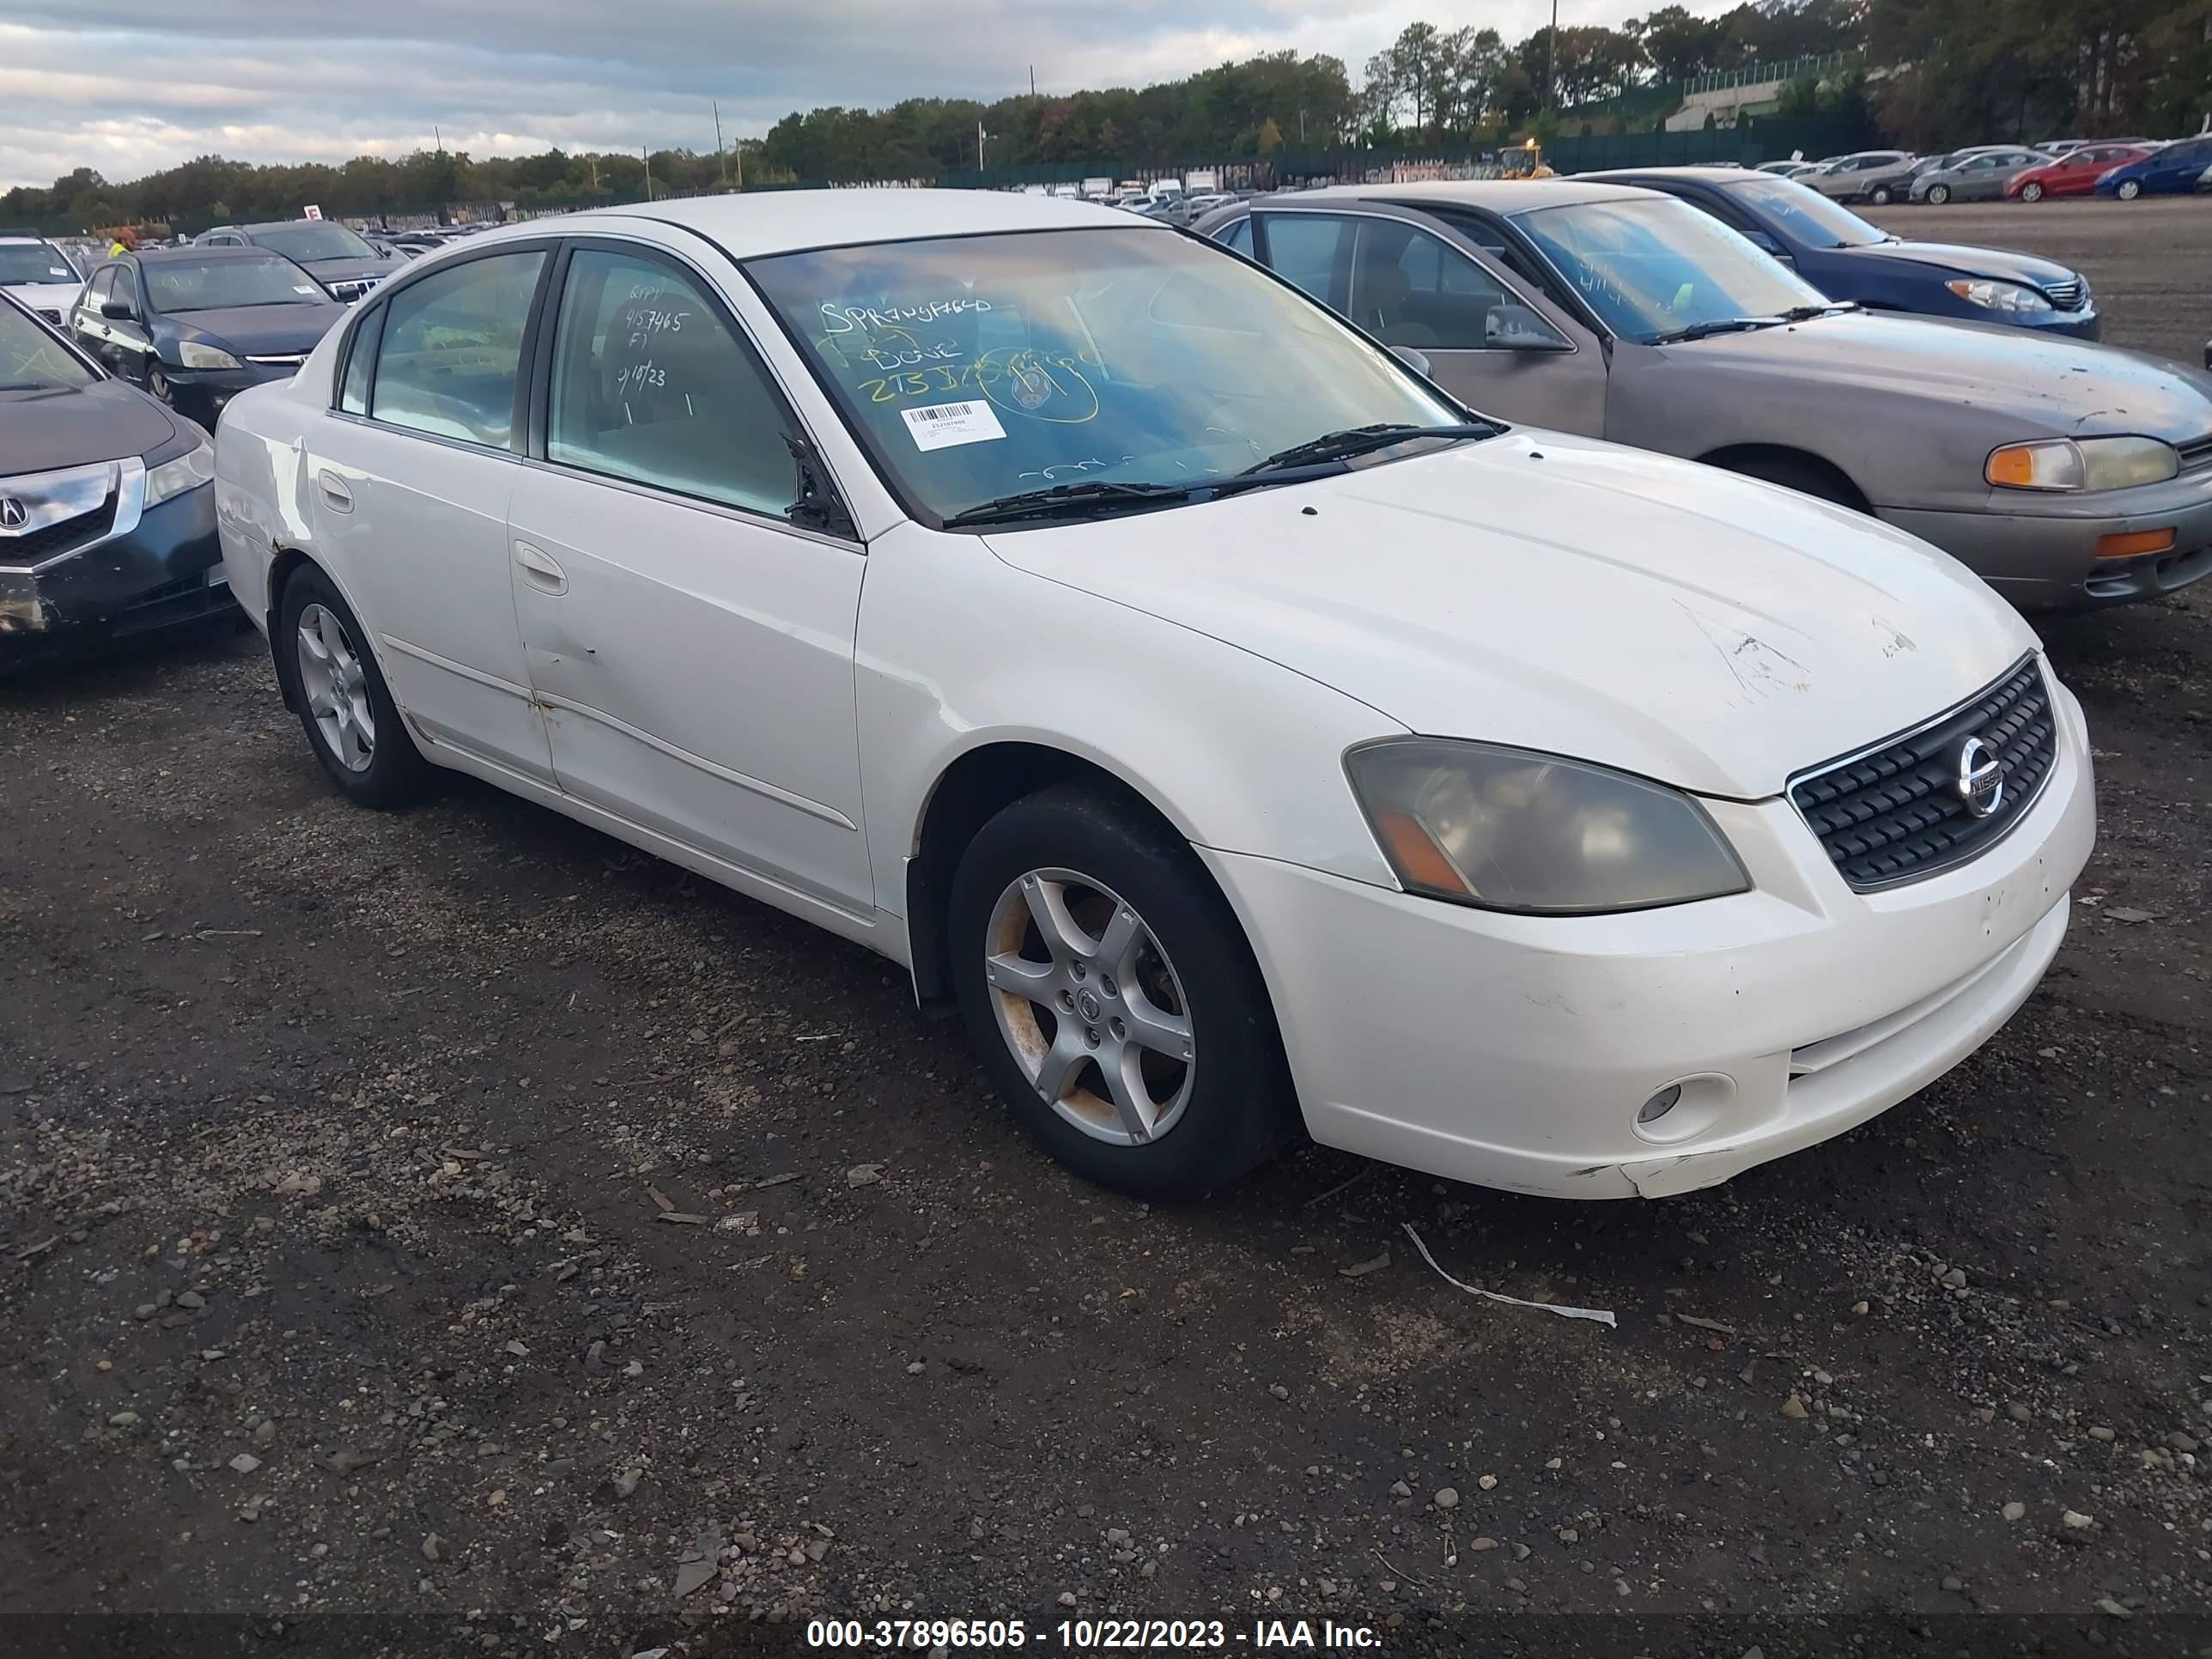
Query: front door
[[1491, 342], [410, 480], [691, 646]]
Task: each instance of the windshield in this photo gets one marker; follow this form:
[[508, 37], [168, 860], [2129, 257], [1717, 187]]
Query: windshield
[[25, 263], [31, 360], [312, 239], [210, 283], [1816, 220], [1654, 267], [982, 366]]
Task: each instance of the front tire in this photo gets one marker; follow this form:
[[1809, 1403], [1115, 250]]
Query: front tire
[[2128, 189], [1939, 194], [157, 383], [2031, 191], [1113, 998], [1805, 476], [351, 721]]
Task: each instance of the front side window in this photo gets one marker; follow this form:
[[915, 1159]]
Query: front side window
[[1807, 215], [452, 346], [649, 384], [222, 280], [981, 367], [1653, 268], [1411, 288], [313, 240], [31, 359]]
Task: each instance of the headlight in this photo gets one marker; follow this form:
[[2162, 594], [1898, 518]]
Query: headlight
[[187, 471], [2086, 463], [192, 355], [1537, 835], [1992, 295]]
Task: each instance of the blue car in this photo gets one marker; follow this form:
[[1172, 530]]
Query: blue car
[[1847, 259], [2173, 171]]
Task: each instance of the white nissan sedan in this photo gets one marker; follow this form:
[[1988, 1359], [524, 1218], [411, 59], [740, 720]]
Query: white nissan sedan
[[1249, 740]]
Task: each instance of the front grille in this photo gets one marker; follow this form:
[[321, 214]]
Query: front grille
[[2196, 454], [352, 288], [2066, 296], [44, 543], [1897, 813], [53, 317]]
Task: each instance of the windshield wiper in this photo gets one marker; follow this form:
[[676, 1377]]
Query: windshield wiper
[[1069, 500], [1359, 440], [1706, 330], [1806, 314]]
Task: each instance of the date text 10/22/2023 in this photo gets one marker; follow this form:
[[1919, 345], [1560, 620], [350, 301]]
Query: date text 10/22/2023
[[1087, 1635]]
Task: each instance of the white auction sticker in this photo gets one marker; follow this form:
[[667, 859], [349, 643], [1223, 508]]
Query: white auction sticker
[[940, 426]]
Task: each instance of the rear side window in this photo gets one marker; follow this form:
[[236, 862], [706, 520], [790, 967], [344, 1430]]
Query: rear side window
[[353, 396], [1238, 236], [651, 384], [1313, 250], [102, 289], [452, 345]]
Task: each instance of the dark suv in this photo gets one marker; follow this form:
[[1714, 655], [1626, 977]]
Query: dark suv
[[338, 258], [106, 504]]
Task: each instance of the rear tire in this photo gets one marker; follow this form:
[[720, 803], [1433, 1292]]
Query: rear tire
[[351, 721], [1113, 998], [2031, 191], [1879, 195], [1939, 194]]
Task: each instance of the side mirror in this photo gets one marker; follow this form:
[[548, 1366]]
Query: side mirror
[[1416, 361], [1516, 328], [119, 311]]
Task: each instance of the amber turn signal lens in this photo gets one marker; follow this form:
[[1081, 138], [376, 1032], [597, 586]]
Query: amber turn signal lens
[[2132, 543], [2015, 466], [1416, 855]]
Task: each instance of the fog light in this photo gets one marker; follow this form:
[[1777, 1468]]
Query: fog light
[[1660, 1104]]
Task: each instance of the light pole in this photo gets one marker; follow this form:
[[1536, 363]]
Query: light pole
[[1552, 60]]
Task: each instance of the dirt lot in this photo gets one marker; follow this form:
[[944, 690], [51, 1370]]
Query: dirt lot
[[457, 1215]]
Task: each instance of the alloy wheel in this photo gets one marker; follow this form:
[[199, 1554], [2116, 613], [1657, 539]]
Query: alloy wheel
[[335, 683], [2129, 189], [2031, 191], [158, 384], [1089, 1006], [1939, 194]]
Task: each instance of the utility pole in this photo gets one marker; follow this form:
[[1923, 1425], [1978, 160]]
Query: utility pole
[[979, 146], [1032, 80], [722, 165], [438, 136], [1552, 60], [646, 156]]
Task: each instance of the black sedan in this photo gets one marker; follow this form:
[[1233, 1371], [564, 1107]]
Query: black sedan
[[1847, 259], [197, 325], [340, 259], [107, 527]]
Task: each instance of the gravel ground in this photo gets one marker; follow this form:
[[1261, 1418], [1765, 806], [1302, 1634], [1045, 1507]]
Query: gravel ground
[[459, 1215]]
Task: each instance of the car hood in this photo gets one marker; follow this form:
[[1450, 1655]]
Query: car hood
[[1562, 594], [2033, 385], [261, 331], [46, 296], [1969, 261], [347, 270], [40, 431]]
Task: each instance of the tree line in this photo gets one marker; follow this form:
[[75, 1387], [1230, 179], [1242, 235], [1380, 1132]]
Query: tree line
[[1929, 73]]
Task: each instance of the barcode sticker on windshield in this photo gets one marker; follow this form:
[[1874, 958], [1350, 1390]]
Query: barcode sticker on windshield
[[940, 426]]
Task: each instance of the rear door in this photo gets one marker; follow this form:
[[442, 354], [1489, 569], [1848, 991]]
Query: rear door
[[411, 476], [691, 642]]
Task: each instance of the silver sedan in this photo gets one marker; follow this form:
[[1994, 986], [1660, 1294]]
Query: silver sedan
[[1981, 177], [2065, 474]]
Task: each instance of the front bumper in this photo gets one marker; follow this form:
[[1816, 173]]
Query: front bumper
[[2040, 551], [202, 392], [1515, 1052], [156, 569]]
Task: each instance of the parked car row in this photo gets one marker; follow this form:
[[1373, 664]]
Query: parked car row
[[2122, 167], [1249, 737]]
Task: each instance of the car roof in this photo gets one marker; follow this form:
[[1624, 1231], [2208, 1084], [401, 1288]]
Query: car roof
[[197, 255], [22, 236], [1701, 175], [784, 221], [1498, 195]]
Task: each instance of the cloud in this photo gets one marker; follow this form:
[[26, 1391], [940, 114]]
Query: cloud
[[129, 86]]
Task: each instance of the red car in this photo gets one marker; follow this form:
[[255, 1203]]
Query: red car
[[2073, 173]]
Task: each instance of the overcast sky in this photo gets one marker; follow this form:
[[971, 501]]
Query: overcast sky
[[129, 86]]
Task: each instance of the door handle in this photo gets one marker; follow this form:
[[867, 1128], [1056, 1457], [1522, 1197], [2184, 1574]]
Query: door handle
[[540, 570], [334, 490]]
